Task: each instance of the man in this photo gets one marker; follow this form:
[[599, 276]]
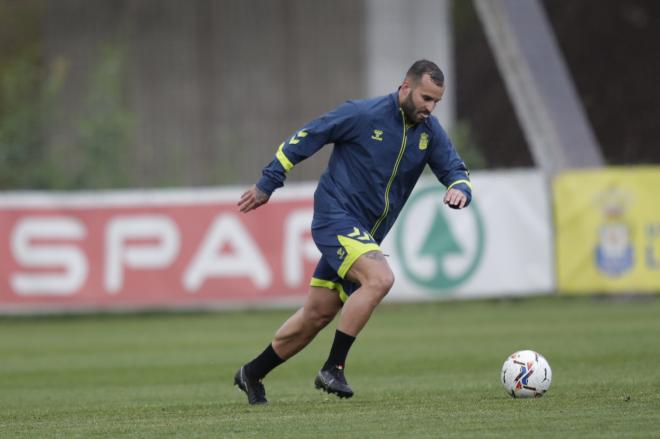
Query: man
[[381, 147]]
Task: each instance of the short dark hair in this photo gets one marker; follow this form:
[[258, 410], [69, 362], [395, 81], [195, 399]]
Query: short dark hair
[[423, 67]]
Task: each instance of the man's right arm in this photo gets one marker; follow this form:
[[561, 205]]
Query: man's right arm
[[337, 125]]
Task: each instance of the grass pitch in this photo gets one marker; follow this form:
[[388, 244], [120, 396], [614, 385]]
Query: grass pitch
[[425, 370]]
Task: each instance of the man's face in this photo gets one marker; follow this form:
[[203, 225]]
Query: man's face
[[418, 100]]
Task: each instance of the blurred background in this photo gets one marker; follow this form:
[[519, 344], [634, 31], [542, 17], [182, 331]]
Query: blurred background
[[153, 93], [552, 102]]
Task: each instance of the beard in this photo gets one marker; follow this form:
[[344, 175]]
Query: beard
[[411, 113]]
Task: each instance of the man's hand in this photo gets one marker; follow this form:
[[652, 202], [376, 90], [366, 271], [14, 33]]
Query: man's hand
[[455, 198], [251, 199]]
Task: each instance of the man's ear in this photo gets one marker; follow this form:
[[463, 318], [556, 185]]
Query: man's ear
[[405, 88]]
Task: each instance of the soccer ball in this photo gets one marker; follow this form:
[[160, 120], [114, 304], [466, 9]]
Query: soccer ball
[[526, 374]]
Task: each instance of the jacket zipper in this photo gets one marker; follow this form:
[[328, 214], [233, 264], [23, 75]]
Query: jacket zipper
[[394, 172]]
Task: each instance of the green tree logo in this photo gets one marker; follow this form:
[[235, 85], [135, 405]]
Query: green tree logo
[[425, 259]]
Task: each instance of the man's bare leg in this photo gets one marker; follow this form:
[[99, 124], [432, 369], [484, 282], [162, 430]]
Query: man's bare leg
[[375, 277], [321, 306]]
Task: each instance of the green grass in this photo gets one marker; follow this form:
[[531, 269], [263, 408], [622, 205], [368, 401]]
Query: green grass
[[425, 370]]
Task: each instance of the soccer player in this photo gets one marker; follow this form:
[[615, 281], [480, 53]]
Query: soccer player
[[381, 146]]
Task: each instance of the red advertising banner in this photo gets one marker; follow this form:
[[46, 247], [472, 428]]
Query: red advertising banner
[[153, 249]]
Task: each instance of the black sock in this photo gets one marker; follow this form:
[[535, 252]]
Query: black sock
[[339, 350], [264, 363]]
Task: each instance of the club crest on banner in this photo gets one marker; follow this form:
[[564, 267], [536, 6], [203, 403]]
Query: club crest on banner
[[614, 250]]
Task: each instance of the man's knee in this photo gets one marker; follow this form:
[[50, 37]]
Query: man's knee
[[372, 271], [319, 316], [380, 281], [321, 307]]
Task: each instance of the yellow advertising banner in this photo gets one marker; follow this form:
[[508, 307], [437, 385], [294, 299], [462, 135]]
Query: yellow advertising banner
[[608, 230]]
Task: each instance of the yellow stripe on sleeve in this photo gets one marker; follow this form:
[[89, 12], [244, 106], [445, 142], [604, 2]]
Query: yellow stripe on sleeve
[[467, 182], [284, 161]]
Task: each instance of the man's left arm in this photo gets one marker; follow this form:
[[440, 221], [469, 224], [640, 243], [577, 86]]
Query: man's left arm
[[450, 169]]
